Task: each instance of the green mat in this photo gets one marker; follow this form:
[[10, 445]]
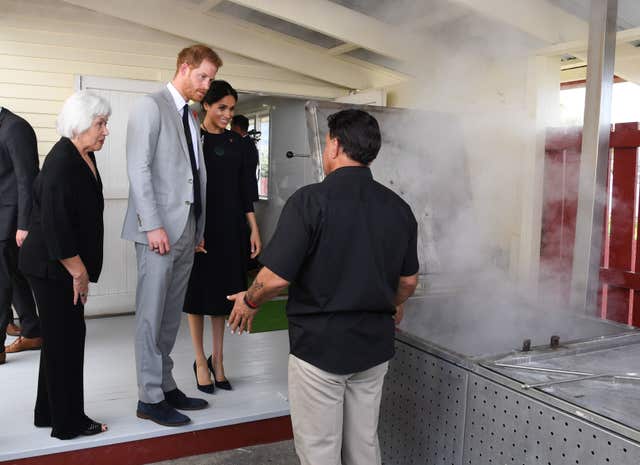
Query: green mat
[[271, 317]]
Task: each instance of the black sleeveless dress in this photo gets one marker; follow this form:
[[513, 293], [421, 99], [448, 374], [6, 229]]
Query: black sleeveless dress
[[223, 269]]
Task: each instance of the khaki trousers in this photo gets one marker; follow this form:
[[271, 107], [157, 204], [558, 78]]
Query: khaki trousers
[[335, 417]]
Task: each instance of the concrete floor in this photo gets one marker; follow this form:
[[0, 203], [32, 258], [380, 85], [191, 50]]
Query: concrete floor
[[278, 453], [256, 364]]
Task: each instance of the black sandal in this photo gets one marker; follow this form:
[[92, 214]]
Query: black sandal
[[94, 428]]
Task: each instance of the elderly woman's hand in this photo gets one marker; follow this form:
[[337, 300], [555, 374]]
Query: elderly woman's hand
[[78, 272], [80, 288]]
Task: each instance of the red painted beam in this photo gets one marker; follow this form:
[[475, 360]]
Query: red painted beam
[[625, 135], [583, 83], [619, 278], [172, 447]]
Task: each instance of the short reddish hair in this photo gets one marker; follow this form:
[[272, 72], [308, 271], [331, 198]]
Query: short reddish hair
[[196, 54]]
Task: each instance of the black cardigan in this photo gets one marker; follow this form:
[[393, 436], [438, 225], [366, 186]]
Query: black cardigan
[[67, 216]]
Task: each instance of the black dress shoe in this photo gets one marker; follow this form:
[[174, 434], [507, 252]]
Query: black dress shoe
[[177, 399], [161, 413], [206, 388], [226, 385]]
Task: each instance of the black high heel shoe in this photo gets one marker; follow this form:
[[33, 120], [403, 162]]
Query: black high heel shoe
[[206, 388], [226, 385]]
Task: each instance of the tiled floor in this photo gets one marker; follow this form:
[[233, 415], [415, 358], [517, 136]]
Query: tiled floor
[[256, 364]]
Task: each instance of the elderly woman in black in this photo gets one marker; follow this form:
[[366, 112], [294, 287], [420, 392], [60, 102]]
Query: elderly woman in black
[[61, 255]]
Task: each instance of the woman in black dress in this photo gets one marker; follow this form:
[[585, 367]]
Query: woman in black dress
[[61, 254], [222, 270]]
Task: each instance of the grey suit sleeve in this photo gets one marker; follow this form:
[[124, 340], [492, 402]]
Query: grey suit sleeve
[[23, 150], [143, 130]]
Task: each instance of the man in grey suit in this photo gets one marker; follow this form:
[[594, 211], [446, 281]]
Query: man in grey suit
[[18, 169], [165, 218]]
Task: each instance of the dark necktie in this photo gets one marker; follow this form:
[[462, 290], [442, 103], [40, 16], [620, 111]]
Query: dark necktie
[[197, 203]]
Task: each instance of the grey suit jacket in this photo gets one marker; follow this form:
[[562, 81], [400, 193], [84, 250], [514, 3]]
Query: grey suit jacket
[[160, 177]]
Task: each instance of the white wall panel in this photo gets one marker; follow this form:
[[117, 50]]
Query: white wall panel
[[115, 291]]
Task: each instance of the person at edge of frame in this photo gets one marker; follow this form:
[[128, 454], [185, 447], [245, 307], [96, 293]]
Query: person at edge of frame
[[18, 169]]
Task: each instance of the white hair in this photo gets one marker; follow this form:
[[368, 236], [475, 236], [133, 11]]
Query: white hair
[[79, 111]]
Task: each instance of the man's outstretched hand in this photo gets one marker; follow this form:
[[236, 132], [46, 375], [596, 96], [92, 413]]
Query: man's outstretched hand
[[241, 316]]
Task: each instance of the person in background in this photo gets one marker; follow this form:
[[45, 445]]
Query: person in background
[[12, 328], [348, 248], [240, 125], [223, 269], [61, 255], [18, 169], [165, 219]]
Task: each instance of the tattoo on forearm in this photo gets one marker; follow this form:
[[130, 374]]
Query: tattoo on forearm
[[256, 287]]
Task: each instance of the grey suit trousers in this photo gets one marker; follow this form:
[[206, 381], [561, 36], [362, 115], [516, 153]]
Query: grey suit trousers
[[162, 285]]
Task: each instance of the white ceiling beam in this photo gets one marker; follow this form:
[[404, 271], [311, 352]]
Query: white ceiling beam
[[540, 18], [567, 33], [240, 38], [337, 21], [626, 36], [573, 74], [342, 49], [207, 5], [434, 18], [627, 63]]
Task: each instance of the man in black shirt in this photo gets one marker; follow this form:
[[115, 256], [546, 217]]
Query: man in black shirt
[[347, 247]]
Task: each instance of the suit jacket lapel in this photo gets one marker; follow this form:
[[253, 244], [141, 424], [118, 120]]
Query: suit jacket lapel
[[175, 116], [3, 115]]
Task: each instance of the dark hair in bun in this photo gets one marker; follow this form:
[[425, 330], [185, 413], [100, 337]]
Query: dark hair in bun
[[217, 91]]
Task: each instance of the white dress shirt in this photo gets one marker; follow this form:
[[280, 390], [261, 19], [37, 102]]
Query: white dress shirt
[[180, 103]]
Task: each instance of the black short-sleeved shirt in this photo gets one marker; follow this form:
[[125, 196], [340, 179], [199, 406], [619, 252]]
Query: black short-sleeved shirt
[[343, 245]]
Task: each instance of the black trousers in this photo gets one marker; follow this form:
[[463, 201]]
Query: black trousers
[[15, 289], [60, 402]]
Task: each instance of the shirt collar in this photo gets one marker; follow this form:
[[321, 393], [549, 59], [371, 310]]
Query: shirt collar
[[364, 171], [179, 101]]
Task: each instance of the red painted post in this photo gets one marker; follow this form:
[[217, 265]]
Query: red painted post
[[620, 273], [622, 223]]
